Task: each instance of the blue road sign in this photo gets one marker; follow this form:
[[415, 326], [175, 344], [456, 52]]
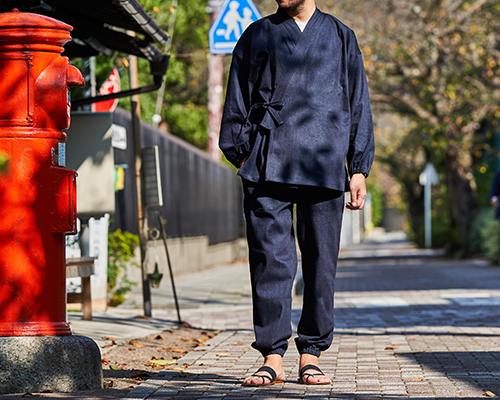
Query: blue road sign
[[232, 19]]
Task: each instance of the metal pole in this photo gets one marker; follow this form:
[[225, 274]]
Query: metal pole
[[162, 230], [215, 101], [141, 213], [428, 220]]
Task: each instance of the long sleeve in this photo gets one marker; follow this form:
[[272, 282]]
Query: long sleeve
[[361, 145], [234, 139]]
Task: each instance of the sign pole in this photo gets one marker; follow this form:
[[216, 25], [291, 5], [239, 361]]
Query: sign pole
[[428, 219], [229, 19], [215, 89], [427, 178]]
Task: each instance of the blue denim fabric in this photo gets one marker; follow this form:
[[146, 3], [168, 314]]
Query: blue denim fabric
[[273, 263]]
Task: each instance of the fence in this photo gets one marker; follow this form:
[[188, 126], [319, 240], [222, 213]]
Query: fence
[[200, 196]]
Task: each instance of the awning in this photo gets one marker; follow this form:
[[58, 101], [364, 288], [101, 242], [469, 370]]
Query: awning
[[100, 25]]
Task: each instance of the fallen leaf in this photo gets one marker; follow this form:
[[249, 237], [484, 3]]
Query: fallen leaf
[[106, 346], [186, 324], [114, 367], [391, 348], [489, 394], [223, 354], [107, 384], [177, 368], [134, 343], [105, 361], [415, 379], [247, 348], [110, 338], [175, 350], [163, 362], [199, 350], [160, 351], [142, 317], [216, 332], [412, 339], [132, 349], [159, 337], [187, 340]]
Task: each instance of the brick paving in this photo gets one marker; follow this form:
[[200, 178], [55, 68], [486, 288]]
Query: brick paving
[[406, 327]]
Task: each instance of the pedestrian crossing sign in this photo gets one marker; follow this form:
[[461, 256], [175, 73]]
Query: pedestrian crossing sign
[[232, 19]]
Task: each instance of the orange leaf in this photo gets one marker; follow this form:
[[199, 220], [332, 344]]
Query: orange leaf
[[159, 337], [110, 338], [134, 343], [489, 394], [391, 348], [415, 379], [223, 354], [175, 350], [105, 361]]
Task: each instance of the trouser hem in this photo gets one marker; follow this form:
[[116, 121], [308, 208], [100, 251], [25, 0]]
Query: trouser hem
[[313, 350]]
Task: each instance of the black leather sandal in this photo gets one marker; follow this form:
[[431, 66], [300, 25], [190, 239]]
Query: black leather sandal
[[304, 377], [271, 378]]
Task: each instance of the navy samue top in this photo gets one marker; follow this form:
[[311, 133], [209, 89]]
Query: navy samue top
[[297, 103]]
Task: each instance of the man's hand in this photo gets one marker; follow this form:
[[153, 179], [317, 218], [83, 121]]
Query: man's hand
[[358, 192], [494, 200]]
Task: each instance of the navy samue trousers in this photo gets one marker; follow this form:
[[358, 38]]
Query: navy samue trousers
[[273, 262]]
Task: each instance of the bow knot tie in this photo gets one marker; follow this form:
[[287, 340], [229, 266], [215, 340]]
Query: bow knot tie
[[270, 106]]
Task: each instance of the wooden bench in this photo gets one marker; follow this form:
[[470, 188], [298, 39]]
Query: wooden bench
[[81, 267]]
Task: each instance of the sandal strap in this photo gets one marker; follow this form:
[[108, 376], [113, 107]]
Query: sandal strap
[[310, 366], [269, 370]]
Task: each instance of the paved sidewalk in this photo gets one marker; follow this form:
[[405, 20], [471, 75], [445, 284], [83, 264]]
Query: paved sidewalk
[[407, 326]]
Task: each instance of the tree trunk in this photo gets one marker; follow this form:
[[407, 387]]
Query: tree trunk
[[463, 204]]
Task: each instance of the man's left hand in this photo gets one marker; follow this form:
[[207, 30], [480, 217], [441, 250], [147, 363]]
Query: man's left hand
[[358, 192]]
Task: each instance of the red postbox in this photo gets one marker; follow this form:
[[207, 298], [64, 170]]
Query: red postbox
[[37, 193]]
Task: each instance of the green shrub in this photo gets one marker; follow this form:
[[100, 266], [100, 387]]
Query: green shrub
[[484, 235], [121, 250]]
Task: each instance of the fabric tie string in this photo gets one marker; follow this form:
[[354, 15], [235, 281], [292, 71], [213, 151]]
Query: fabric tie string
[[272, 107]]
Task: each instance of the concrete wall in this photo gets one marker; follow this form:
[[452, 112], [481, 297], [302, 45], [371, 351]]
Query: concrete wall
[[188, 255]]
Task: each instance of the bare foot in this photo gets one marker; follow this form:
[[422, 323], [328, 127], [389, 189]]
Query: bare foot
[[317, 379], [274, 361]]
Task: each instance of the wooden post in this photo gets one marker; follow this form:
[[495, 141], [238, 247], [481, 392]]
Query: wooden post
[[141, 212]]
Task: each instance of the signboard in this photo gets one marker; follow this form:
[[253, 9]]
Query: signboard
[[232, 19], [110, 85]]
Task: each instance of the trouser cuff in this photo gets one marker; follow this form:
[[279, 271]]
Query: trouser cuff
[[313, 350]]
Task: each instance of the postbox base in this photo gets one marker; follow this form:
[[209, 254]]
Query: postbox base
[[49, 363]]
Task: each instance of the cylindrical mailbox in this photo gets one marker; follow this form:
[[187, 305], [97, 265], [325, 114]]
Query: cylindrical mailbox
[[37, 193]]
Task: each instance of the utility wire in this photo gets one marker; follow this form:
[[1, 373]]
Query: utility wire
[[168, 48]]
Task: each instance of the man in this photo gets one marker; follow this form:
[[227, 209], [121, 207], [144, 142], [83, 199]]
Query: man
[[297, 111]]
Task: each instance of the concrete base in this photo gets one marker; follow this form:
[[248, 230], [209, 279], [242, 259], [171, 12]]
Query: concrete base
[[57, 363]]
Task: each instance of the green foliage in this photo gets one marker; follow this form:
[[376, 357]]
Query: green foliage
[[184, 107], [4, 163], [377, 202], [484, 235], [121, 250]]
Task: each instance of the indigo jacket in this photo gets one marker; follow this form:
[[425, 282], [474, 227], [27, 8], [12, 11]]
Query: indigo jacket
[[297, 104]]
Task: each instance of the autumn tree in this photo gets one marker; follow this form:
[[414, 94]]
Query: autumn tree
[[435, 62]]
